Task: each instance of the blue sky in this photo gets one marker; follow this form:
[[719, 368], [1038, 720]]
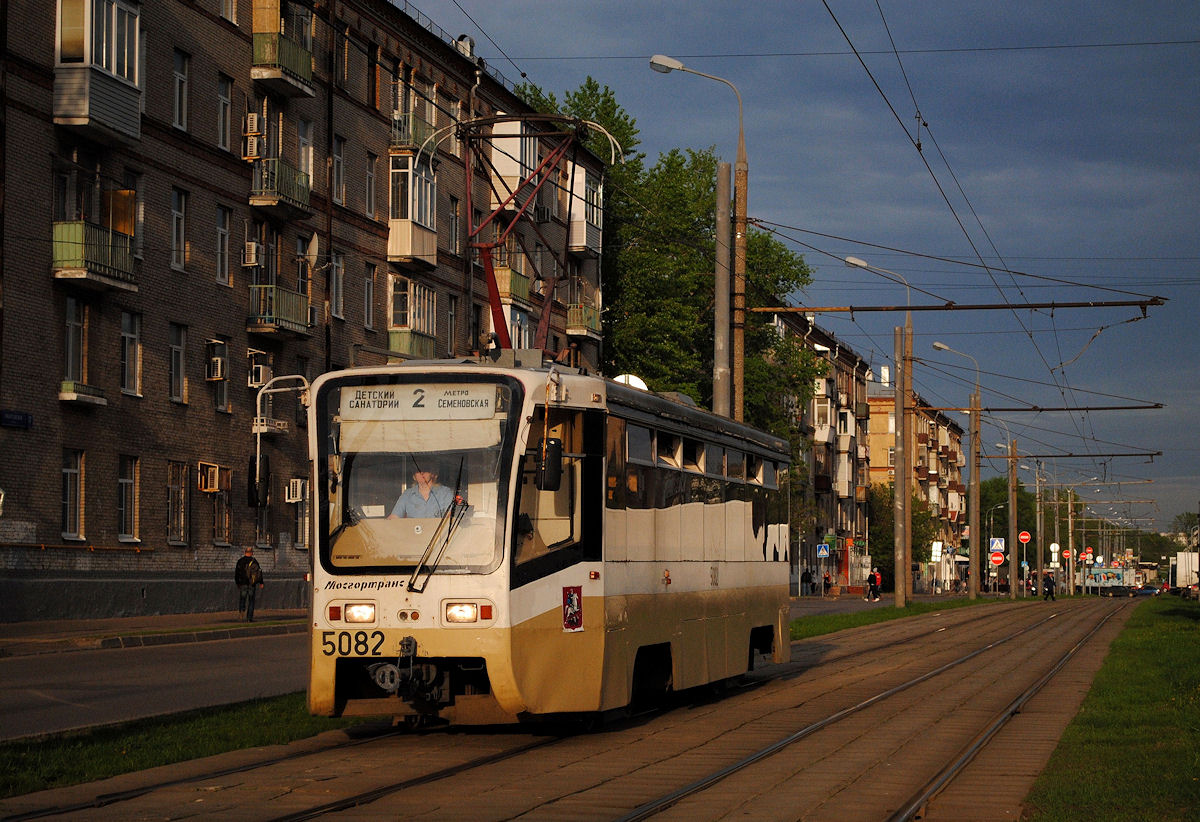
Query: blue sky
[[1064, 135]]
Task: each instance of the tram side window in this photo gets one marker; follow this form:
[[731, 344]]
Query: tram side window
[[615, 480], [550, 520], [639, 468]]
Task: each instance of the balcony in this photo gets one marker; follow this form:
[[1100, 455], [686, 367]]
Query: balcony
[[279, 189], [412, 344], [269, 426], [93, 256], [412, 243], [282, 65], [79, 393], [97, 104], [585, 237], [274, 309], [823, 434], [583, 321], [512, 285], [409, 132]]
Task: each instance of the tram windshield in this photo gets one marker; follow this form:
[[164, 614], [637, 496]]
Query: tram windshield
[[415, 475]]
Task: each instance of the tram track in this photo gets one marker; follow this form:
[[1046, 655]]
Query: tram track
[[447, 766], [915, 804]]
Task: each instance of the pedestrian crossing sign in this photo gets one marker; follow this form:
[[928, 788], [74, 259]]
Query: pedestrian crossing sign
[[996, 544], [823, 550]]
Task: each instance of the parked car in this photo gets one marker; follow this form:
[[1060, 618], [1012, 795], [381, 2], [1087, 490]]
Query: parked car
[[1147, 591], [1116, 591]]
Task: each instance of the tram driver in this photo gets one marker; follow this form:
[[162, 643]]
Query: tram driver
[[425, 497]]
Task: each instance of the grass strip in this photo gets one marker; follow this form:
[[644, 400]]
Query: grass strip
[[1133, 751], [84, 756], [818, 624]]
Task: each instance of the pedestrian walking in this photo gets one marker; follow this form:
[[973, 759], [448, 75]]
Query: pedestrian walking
[[806, 582], [1048, 587], [826, 584], [249, 578], [874, 580]]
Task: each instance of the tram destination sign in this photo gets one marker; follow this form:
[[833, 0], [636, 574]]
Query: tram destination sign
[[436, 401]]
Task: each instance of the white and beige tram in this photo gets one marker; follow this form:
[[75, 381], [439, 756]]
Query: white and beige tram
[[599, 544]]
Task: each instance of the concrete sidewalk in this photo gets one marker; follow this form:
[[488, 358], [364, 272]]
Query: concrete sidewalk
[[55, 636]]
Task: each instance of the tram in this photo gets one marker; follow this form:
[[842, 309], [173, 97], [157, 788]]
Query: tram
[[501, 543]]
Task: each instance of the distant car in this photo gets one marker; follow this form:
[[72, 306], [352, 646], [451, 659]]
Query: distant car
[[1146, 591], [1117, 591]]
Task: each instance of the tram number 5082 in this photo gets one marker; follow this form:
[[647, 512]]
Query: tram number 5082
[[345, 643]]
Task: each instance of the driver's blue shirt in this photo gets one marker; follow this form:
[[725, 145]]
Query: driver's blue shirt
[[412, 504]]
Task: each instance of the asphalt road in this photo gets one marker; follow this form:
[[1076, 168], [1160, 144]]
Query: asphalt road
[[47, 693]]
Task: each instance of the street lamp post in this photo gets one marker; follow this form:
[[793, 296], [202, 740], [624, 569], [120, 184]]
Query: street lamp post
[[974, 543], [902, 487], [741, 181]]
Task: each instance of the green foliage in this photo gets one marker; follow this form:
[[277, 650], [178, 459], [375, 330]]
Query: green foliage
[[660, 254], [925, 526], [820, 624]]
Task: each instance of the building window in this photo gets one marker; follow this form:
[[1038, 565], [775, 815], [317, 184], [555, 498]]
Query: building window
[[133, 182], [302, 264], [216, 373], [372, 161], [75, 351], [182, 64], [300, 534], [369, 297], [111, 33], [177, 377], [452, 324], [224, 110], [413, 194], [592, 209], [131, 353], [262, 526], [222, 510], [178, 228], [72, 494], [127, 498], [336, 284], [229, 10], [304, 132], [454, 219], [413, 307], [177, 508], [339, 170], [224, 220]]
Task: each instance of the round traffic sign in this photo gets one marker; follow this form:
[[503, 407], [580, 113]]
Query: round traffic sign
[[997, 558], [1066, 553], [1024, 536]]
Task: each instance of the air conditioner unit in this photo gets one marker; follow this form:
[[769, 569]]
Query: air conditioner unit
[[313, 316], [254, 124], [252, 254], [254, 148], [209, 477], [259, 376], [297, 490], [541, 214], [218, 369]]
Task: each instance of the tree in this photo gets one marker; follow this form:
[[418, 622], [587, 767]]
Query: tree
[[660, 252], [881, 499], [1185, 524]]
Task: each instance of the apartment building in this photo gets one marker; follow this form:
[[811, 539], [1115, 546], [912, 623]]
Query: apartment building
[[833, 534], [205, 198], [937, 457]]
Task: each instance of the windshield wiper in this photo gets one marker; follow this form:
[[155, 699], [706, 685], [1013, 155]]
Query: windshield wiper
[[441, 536]]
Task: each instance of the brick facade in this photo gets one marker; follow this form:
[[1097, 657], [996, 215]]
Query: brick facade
[[67, 173]]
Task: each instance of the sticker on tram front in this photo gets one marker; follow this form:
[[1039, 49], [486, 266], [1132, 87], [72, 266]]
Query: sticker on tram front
[[573, 608]]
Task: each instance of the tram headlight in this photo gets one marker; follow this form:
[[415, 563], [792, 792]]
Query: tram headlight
[[462, 612], [359, 611]]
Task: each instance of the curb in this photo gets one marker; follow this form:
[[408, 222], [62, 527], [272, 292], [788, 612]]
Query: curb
[[54, 646]]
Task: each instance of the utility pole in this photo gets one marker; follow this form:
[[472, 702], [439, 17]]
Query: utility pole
[[976, 542], [721, 394], [1012, 519], [899, 482]]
